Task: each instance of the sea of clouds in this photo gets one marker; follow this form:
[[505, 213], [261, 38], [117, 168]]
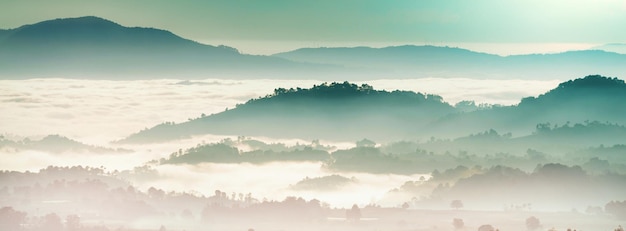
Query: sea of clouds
[[97, 112]]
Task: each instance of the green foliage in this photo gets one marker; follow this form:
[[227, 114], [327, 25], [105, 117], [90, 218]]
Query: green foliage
[[325, 183], [346, 91], [227, 152]]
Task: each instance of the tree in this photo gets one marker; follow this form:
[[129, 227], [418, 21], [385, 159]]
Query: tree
[[353, 214], [617, 208], [466, 106], [72, 222], [456, 204], [486, 228], [458, 223], [187, 214], [543, 127], [365, 143], [52, 222], [532, 223], [11, 219]]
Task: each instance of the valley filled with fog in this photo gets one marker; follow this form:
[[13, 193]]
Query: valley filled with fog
[[98, 112], [68, 149], [116, 109]]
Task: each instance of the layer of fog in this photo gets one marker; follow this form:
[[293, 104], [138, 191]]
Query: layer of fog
[[99, 111], [271, 181]]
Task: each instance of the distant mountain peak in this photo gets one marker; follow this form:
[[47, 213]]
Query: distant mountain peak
[[92, 22], [83, 19], [87, 29]]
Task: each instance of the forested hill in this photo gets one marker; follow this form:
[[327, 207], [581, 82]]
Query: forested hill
[[592, 98], [340, 97], [343, 111]]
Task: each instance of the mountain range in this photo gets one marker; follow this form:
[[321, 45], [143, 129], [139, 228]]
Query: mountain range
[[92, 47], [432, 61], [348, 112]]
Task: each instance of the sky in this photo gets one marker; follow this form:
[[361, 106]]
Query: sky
[[275, 25]]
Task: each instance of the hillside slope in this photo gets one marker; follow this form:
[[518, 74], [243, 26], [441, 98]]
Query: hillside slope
[[339, 111]]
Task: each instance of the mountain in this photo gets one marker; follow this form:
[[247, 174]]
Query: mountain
[[348, 112], [4, 34], [431, 61], [612, 47], [592, 98], [92, 47], [339, 111], [417, 61]]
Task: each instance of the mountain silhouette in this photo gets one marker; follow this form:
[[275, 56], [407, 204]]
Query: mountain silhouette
[[341, 111], [92, 47], [592, 98], [348, 112], [431, 61], [403, 60]]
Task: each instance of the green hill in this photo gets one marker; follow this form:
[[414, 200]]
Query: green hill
[[340, 111]]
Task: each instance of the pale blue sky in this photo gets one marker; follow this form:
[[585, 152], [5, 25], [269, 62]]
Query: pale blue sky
[[350, 21]]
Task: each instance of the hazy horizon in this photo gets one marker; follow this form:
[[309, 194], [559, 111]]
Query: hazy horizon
[[264, 47]]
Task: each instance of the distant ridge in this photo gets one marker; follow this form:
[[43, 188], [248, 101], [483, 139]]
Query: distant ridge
[[432, 61], [92, 47], [612, 47]]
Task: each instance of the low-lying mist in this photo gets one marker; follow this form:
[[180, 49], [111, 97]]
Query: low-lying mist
[[63, 169], [101, 111]]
